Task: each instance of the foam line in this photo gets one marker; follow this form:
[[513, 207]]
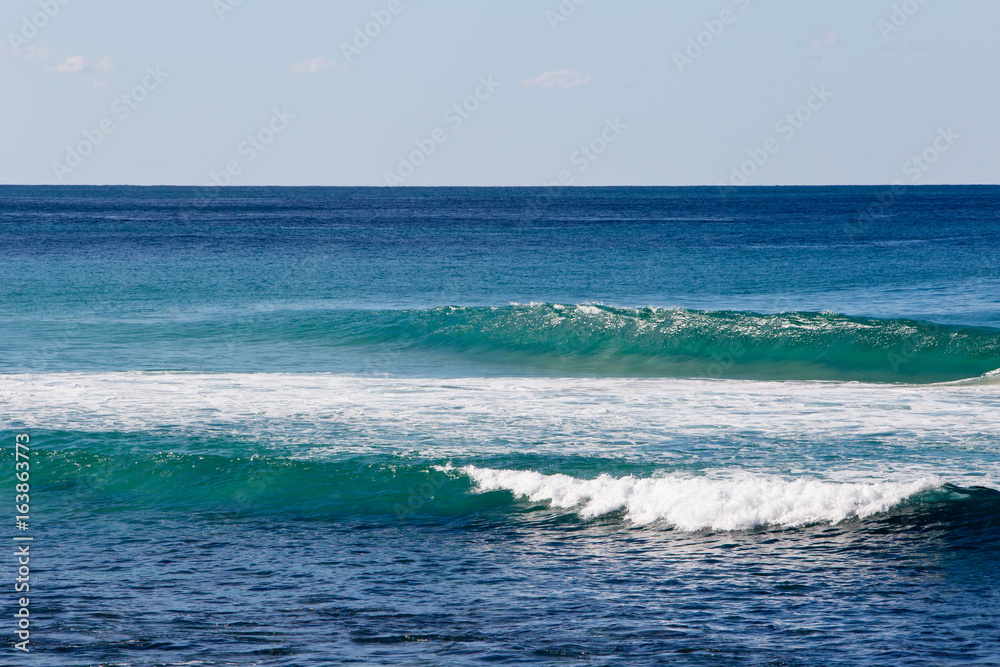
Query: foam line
[[694, 503]]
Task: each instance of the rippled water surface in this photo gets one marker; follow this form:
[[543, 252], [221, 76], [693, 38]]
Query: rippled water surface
[[506, 426]]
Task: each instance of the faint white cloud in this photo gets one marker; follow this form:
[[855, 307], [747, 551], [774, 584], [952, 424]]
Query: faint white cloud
[[823, 41], [100, 85], [76, 64], [71, 64], [564, 78], [314, 66]]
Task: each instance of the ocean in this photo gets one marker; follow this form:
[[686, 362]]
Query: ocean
[[536, 426]]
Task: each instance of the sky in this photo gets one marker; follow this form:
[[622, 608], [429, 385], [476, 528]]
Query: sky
[[499, 92]]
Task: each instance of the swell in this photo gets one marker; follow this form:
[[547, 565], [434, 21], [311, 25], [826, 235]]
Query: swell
[[398, 489], [536, 339], [604, 340]]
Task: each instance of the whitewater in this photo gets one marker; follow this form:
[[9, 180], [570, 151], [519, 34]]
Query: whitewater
[[821, 451]]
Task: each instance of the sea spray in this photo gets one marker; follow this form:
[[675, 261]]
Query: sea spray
[[740, 502]]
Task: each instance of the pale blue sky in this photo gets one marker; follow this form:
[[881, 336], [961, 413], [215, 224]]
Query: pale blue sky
[[608, 76]]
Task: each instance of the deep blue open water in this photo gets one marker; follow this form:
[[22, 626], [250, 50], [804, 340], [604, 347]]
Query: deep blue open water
[[609, 426]]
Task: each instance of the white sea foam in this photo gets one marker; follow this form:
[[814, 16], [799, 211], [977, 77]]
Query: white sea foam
[[845, 431], [568, 408], [992, 377], [693, 503]]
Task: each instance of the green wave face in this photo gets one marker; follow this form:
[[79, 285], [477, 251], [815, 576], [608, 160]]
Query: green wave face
[[542, 339], [588, 339], [251, 486], [80, 484]]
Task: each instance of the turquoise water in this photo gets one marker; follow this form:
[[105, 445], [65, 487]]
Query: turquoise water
[[506, 426], [535, 339]]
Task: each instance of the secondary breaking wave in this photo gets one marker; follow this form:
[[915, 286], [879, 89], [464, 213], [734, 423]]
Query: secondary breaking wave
[[400, 490], [695, 503]]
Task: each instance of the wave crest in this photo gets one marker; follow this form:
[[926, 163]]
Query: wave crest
[[742, 502], [605, 340]]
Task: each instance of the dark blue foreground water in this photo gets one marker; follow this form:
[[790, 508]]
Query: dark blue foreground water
[[505, 426]]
